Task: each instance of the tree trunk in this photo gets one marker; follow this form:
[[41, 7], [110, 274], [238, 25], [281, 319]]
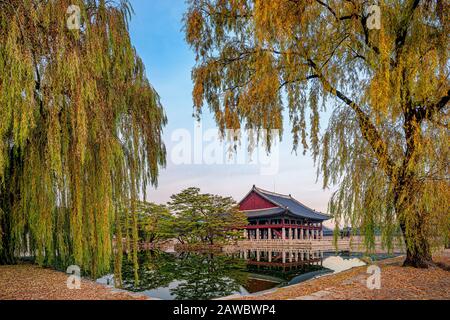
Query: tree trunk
[[418, 259], [7, 250], [418, 251], [6, 247], [7, 255]]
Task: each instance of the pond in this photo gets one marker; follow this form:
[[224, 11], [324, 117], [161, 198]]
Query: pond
[[204, 276]]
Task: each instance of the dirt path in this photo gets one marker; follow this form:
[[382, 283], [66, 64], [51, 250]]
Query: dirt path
[[397, 283], [29, 282]]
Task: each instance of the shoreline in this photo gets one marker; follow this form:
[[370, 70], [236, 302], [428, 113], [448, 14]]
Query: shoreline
[[31, 282], [275, 289], [397, 283]]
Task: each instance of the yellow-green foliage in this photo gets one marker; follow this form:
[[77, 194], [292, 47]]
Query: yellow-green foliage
[[80, 130], [386, 144]]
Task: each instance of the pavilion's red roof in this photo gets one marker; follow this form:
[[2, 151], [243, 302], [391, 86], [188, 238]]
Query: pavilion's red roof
[[259, 203]]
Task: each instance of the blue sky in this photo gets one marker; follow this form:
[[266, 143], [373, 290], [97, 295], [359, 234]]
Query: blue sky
[[156, 32]]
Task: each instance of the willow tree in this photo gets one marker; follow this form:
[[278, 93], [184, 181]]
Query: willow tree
[[384, 75], [80, 131]]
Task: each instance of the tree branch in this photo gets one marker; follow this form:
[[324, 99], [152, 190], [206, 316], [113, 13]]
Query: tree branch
[[403, 28], [425, 113], [368, 129], [310, 77], [328, 7]]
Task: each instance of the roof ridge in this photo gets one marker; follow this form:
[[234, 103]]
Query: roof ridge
[[273, 193], [286, 196], [271, 208], [302, 204], [261, 193]]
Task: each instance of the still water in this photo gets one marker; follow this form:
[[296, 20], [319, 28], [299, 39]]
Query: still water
[[204, 276]]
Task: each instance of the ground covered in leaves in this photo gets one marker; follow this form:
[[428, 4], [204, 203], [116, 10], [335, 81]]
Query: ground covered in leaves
[[29, 282], [397, 283]]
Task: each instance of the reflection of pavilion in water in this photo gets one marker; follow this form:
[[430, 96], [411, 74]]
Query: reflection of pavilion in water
[[270, 268], [282, 258]]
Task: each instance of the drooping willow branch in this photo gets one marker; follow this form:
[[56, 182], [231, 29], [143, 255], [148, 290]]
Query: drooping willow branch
[[80, 133]]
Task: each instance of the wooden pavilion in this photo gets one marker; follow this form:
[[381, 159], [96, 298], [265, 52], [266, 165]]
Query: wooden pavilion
[[274, 216]]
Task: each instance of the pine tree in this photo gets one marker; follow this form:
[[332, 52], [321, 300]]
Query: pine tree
[[205, 218]]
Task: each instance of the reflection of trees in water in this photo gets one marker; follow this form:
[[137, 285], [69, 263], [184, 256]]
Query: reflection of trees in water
[[156, 269], [207, 276], [201, 276]]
